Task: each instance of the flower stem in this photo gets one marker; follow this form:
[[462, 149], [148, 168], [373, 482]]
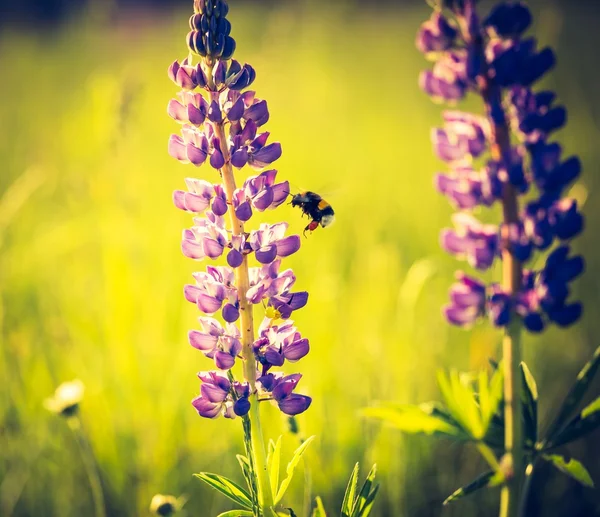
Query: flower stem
[[247, 329], [90, 465]]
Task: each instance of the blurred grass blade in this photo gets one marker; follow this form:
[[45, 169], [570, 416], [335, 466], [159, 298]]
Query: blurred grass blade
[[584, 423], [572, 468], [236, 513], [477, 484], [530, 400], [366, 497], [426, 418], [273, 463], [490, 396], [291, 468], [575, 396], [350, 494], [227, 487], [319, 510]]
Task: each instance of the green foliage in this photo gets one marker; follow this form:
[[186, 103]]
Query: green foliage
[[227, 487], [291, 467], [319, 510], [572, 468], [582, 424], [363, 504], [573, 399], [478, 483], [529, 396], [274, 463], [236, 513], [350, 494]]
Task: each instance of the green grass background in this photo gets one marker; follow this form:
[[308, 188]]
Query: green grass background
[[91, 272]]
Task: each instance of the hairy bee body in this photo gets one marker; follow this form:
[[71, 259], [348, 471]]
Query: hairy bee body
[[316, 208]]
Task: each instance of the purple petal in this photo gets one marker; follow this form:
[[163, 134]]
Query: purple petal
[[177, 111], [219, 206], [274, 357], [266, 155], [266, 254], [191, 293], [216, 159], [195, 155], [294, 404], [206, 408], [213, 392], [288, 245], [192, 249], [230, 312], [177, 148], [235, 258], [208, 304], [240, 157], [281, 191], [223, 360], [244, 211], [241, 406], [194, 115], [214, 112], [212, 248], [258, 112], [460, 316], [285, 386], [237, 110], [263, 199], [297, 350], [202, 341]]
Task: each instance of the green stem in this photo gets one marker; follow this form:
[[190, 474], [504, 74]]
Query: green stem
[[513, 463], [89, 463], [259, 455]]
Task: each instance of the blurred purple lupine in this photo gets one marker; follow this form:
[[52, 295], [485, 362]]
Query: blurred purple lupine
[[221, 130], [493, 59]]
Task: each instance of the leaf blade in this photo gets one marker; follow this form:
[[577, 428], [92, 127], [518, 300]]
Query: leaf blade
[[350, 493], [291, 467], [478, 483], [572, 468], [227, 487]]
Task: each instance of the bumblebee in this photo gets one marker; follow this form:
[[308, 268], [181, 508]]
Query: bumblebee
[[316, 208]]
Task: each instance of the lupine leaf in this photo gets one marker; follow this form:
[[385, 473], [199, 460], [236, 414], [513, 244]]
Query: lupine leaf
[[319, 510], [236, 513], [460, 399], [426, 418], [291, 468], [530, 398], [477, 484], [493, 393], [575, 395], [247, 472], [227, 487], [350, 494], [572, 468], [364, 501], [584, 423], [273, 463]]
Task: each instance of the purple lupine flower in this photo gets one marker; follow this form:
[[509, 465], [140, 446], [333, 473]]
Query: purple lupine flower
[[487, 166], [220, 123], [269, 243], [218, 396], [277, 343], [281, 389], [217, 342]]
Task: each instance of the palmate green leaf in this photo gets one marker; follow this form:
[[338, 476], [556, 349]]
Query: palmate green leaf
[[291, 468], [430, 419], [459, 396], [319, 510], [584, 423], [227, 487], [350, 494], [366, 497], [572, 468], [574, 397], [477, 484], [274, 463], [490, 396], [529, 396], [236, 513]]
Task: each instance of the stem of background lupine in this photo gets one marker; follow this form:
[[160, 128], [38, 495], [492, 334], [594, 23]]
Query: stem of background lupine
[[89, 463], [511, 276], [247, 330], [527, 487]]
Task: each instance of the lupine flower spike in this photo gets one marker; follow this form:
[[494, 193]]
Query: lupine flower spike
[[505, 157], [222, 130]]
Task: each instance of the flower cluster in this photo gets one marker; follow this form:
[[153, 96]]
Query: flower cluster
[[221, 125], [501, 158]]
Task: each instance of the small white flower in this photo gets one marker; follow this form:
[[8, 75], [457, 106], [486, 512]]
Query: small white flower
[[66, 398]]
